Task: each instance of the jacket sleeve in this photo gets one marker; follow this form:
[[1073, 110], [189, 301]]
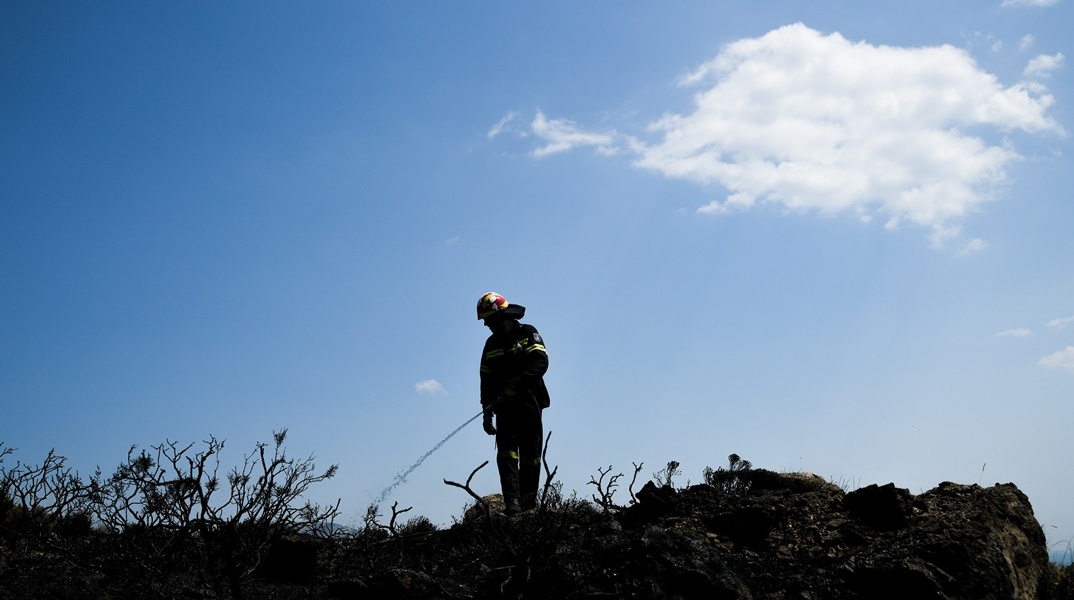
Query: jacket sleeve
[[488, 386]]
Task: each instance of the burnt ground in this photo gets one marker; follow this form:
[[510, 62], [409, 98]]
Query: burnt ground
[[746, 535]]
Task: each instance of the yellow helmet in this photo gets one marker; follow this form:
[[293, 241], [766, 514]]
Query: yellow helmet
[[490, 304]]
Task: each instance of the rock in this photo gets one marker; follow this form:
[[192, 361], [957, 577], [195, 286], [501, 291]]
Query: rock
[[883, 507], [476, 511], [653, 501]]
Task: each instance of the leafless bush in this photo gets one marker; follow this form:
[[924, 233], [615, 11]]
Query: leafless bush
[[607, 485], [44, 522], [606, 489], [45, 496], [176, 492], [165, 513]]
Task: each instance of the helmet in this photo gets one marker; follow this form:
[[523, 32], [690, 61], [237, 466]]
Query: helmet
[[491, 304]]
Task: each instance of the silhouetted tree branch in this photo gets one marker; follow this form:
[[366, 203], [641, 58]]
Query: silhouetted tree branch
[[175, 492], [606, 489], [469, 490]]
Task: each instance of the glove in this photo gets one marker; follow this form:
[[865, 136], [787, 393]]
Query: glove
[[487, 423]]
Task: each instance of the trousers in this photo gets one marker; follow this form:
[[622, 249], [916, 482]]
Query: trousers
[[519, 440]]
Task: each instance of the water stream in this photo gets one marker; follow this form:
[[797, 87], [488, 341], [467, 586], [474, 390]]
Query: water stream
[[401, 478]]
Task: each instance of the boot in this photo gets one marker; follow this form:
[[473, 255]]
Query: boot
[[512, 507]]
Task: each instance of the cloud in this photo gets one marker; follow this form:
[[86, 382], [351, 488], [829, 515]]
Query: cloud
[[429, 386], [1020, 332], [1041, 66], [1064, 359], [972, 247], [815, 122], [1029, 2], [1026, 42], [1060, 323], [561, 135], [502, 124]]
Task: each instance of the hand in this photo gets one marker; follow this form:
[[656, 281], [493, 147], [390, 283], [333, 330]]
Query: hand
[[487, 424]]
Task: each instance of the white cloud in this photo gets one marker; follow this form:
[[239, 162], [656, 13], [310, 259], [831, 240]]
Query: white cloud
[[1060, 323], [1020, 332], [1041, 66], [1064, 359], [1026, 42], [429, 386], [499, 127], [561, 135], [973, 246], [1029, 2], [816, 122], [981, 39]]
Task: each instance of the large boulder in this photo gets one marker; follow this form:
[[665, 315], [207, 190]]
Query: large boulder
[[962, 541]]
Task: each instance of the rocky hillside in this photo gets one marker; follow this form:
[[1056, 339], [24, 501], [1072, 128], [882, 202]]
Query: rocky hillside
[[745, 534]]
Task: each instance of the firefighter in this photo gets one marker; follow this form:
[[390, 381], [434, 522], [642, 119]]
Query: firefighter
[[513, 365]]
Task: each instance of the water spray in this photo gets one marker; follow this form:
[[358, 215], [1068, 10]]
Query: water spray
[[401, 478]]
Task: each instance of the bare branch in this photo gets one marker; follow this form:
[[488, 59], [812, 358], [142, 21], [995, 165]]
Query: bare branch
[[606, 490], [549, 475], [479, 499], [633, 480], [395, 515]]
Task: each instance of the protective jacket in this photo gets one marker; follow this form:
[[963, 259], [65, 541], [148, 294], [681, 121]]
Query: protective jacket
[[513, 366]]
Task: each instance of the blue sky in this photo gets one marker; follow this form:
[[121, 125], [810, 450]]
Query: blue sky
[[824, 236]]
